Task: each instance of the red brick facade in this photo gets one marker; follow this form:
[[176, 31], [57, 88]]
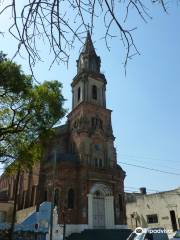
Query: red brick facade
[[82, 153]]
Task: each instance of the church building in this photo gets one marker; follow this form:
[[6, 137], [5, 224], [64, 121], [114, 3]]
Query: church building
[[81, 160], [79, 171]]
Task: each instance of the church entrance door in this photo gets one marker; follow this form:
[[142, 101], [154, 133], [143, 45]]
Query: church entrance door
[[98, 210]]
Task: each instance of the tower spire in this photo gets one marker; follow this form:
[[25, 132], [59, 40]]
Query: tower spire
[[88, 46], [88, 60], [89, 85]]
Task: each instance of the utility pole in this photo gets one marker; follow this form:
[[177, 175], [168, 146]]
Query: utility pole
[[53, 192], [64, 224]]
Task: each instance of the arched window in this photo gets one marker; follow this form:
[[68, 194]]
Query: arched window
[[97, 193], [71, 198], [94, 92], [93, 121], [121, 202], [100, 124], [86, 64], [79, 93], [45, 195], [100, 163], [56, 197], [73, 147], [96, 162]]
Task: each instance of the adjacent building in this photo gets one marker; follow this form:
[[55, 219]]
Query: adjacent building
[[6, 208], [160, 209]]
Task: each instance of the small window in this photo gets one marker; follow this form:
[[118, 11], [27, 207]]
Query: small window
[[98, 193], [94, 92], [97, 147], [121, 205], [79, 93], [71, 198], [73, 148], [100, 124], [93, 120], [96, 162], [97, 123], [45, 195], [100, 163], [56, 197], [86, 64], [152, 218]]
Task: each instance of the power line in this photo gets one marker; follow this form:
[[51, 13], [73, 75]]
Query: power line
[[125, 163], [151, 169], [165, 166], [147, 157]]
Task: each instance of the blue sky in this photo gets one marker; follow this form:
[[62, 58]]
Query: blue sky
[[145, 102]]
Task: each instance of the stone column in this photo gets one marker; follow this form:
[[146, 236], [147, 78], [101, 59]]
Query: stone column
[[35, 192], [109, 211], [87, 90], [72, 99], [83, 90], [104, 96], [90, 210]]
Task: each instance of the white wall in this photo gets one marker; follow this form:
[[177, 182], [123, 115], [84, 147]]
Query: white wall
[[160, 204]]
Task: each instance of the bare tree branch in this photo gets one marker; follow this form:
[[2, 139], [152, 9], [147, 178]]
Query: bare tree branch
[[59, 23]]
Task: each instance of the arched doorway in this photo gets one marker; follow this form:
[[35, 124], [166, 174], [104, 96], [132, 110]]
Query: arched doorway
[[98, 209], [100, 206]]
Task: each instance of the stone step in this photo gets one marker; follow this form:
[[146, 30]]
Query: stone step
[[101, 234]]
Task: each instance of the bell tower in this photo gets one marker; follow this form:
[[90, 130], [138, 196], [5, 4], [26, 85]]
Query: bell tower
[[90, 121], [89, 85], [91, 139]]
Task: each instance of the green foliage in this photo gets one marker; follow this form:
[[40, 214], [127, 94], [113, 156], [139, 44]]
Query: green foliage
[[12, 78], [3, 56], [28, 113], [28, 155]]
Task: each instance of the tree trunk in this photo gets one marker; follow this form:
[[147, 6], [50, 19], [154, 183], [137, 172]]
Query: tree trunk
[[15, 204], [28, 196], [40, 187]]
